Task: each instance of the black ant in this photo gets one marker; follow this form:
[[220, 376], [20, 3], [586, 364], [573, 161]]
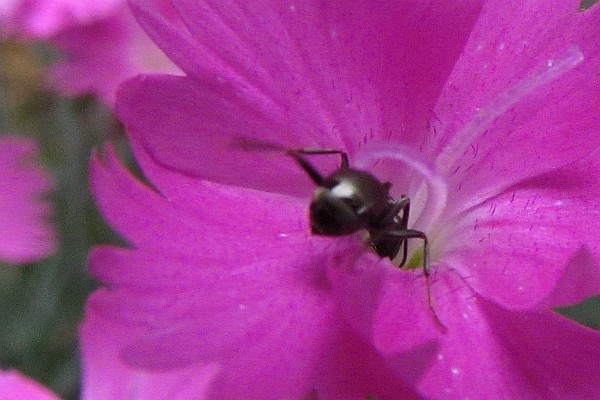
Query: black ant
[[349, 200]]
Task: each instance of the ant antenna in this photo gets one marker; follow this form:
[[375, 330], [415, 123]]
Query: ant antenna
[[252, 144]]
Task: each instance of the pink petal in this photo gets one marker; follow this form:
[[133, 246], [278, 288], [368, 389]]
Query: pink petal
[[219, 273], [311, 106], [27, 234], [580, 281], [183, 295], [7, 8], [174, 110], [98, 71], [350, 368], [353, 369], [390, 300], [160, 20], [14, 386], [101, 54], [107, 377], [515, 247], [101, 42], [491, 352], [270, 304], [44, 18], [265, 41], [255, 319], [200, 217], [521, 90], [213, 277]]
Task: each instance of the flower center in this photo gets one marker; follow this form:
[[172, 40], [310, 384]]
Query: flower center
[[416, 260], [423, 182], [414, 178]]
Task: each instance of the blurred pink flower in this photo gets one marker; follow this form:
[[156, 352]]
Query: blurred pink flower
[[44, 18], [483, 113], [14, 386], [26, 231], [105, 377], [101, 42]]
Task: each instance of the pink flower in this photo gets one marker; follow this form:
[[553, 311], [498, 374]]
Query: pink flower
[[45, 18], [14, 386], [484, 114], [101, 42], [27, 234]]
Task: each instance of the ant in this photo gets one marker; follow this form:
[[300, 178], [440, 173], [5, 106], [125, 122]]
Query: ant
[[349, 200]]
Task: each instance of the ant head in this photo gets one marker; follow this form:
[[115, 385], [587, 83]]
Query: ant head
[[332, 215], [346, 201]]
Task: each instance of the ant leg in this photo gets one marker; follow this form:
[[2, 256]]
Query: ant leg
[[409, 234], [310, 150], [401, 205], [312, 172], [253, 144], [404, 225], [404, 253]]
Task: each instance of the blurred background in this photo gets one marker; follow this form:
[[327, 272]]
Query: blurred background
[[42, 304]]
